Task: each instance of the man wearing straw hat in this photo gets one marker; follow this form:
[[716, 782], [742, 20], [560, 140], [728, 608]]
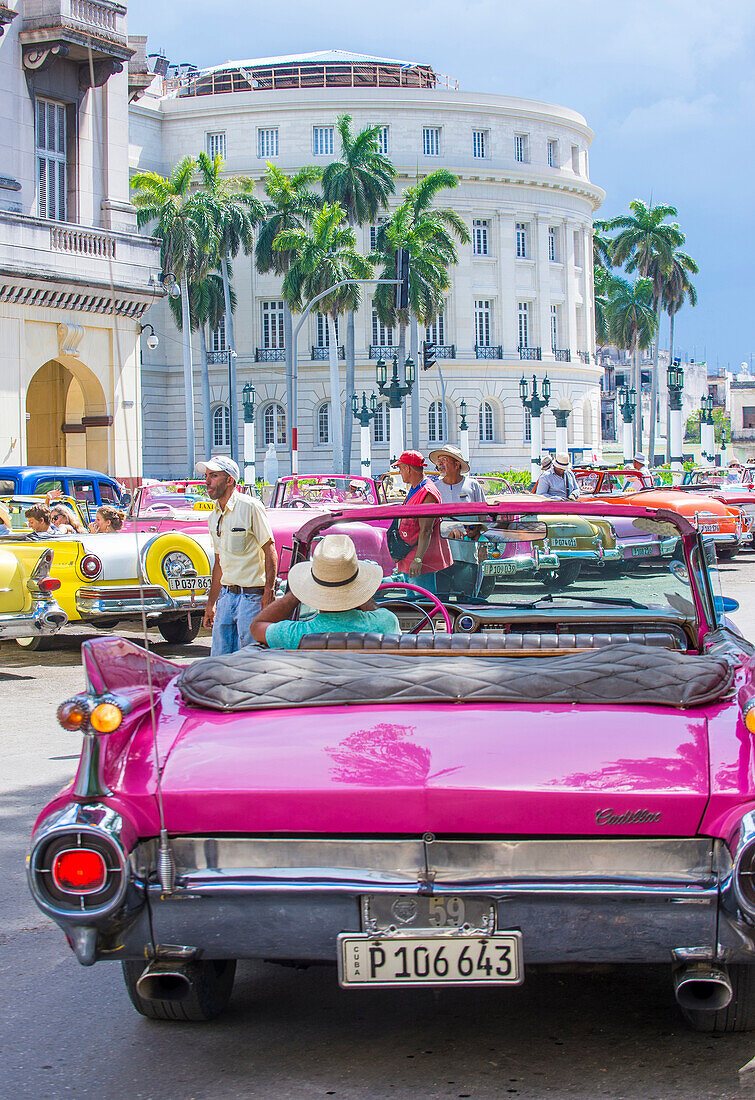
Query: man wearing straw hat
[[338, 586], [558, 483], [455, 487]]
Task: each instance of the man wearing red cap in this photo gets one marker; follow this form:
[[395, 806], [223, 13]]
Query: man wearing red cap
[[428, 552]]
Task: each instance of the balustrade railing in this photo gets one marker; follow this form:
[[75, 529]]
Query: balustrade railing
[[485, 352], [270, 355], [217, 357], [97, 15], [83, 242], [584, 356], [445, 351], [383, 351], [323, 354], [563, 355], [530, 353]]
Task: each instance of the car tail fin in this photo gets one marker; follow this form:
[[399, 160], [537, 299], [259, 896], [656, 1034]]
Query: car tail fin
[[113, 663]]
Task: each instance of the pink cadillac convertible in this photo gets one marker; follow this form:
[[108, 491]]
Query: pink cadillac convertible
[[523, 780]]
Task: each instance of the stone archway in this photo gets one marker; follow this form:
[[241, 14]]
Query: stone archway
[[66, 417]]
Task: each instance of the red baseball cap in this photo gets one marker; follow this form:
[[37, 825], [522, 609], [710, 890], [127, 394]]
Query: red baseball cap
[[409, 458]]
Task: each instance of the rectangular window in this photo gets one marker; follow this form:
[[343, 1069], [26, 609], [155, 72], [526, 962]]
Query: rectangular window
[[577, 248], [323, 424], [217, 337], [436, 332], [522, 248], [524, 324], [51, 160], [575, 159], [482, 314], [216, 145], [521, 148], [221, 426], [554, 327], [322, 141], [480, 237], [527, 426], [431, 141], [272, 325], [748, 416], [552, 154], [380, 423], [374, 233], [383, 140], [267, 144], [479, 143], [323, 337], [553, 252], [382, 337]]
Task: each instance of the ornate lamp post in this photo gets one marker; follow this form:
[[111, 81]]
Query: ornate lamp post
[[628, 406], [395, 391], [248, 394], [464, 430], [675, 384], [535, 403], [707, 431], [562, 438], [723, 444], [364, 415]]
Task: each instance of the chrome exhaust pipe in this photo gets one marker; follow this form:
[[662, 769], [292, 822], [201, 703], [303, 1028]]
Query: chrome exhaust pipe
[[164, 981], [702, 987]]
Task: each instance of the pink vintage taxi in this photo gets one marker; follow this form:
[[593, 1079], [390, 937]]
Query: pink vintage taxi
[[528, 779]]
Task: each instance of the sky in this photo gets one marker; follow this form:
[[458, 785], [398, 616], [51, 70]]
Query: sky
[[668, 86]]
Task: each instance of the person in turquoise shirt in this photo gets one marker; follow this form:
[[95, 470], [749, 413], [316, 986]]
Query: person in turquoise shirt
[[338, 586]]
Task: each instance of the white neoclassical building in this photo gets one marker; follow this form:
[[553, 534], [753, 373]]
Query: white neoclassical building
[[521, 296]]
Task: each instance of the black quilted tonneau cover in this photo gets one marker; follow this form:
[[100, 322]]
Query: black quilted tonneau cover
[[257, 678]]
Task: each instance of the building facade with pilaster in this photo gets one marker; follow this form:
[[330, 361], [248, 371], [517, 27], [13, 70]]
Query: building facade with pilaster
[[521, 298]]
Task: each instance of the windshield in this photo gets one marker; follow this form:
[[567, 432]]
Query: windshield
[[516, 560], [170, 497], [326, 490]]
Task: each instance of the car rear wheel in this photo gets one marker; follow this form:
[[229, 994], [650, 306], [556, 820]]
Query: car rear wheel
[[180, 631], [565, 575], [726, 553], [739, 1014], [211, 987], [38, 642]]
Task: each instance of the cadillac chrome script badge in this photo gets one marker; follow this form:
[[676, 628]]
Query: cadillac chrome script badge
[[629, 817]]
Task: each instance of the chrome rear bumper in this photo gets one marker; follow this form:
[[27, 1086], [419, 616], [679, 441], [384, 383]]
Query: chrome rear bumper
[[45, 617], [95, 601]]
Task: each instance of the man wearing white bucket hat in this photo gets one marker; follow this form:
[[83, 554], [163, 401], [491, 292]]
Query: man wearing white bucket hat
[[558, 483], [338, 586]]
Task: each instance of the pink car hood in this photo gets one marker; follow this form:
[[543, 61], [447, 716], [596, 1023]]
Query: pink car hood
[[408, 769]]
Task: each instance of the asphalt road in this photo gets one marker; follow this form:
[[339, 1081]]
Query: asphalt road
[[71, 1032]]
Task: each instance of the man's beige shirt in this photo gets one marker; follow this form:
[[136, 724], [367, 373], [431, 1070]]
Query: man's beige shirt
[[244, 530]]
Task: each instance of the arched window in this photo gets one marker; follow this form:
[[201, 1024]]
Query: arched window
[[275, 425], [323, 423], [380, 423], [221, 427], [487, 423], [587, 424], [527, 426], [435, 422]]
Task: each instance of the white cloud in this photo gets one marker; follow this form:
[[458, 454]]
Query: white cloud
[[673, 115]]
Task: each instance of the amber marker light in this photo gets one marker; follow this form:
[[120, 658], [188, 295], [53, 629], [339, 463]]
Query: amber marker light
[[746, 699], [106, 717], [73, 714]]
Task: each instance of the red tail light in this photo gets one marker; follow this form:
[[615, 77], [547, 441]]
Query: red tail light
[[91, 566], [49, 584], [79, 871]]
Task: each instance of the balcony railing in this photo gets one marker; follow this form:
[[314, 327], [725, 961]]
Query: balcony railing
[[323, 354], [270, 355], [530, 353], [217, 357], [445, 351], [562, 355], [494, 352], [584, 356], [80, 30], [83, 242], [383, 351]]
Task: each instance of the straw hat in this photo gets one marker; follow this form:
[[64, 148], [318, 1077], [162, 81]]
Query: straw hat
[[452, 452], [335, 579], [561, 462], [546, 463]]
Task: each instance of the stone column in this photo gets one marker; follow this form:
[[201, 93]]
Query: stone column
[[536, 446], [543, 282], [562, 438], [675, 434], [570, 336]]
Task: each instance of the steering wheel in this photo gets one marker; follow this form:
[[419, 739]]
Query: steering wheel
[[437, 605], [297, 502]]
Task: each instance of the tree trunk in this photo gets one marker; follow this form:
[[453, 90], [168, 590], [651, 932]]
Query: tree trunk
[[205, 379], [671, 363], [654, 385], [414, 352], [288, 337], [188, 375], [335, 421], [348, 417], [233, 396]]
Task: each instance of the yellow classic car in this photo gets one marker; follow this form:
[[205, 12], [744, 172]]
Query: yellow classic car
[[27, 607]]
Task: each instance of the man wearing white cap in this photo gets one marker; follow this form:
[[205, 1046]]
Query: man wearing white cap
[[338, 586], [639, 462], [243, 576], [558, 483]]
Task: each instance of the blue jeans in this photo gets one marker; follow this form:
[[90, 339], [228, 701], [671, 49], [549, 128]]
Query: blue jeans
[[424, 580], [234, 612]]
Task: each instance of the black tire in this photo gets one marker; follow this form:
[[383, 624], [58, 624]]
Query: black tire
[[563, 577], [37, 644], [739, 1014], [727, 553], [180, 631], [212, 986]]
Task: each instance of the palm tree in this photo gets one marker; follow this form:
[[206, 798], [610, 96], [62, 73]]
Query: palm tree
[[603, 284], [362, 181], [290, 203], [430, 234], [235, 212], [645, 244], [206, 307], [632, 324], [678, 288], [319, 259], [184, 225], [601, 247]]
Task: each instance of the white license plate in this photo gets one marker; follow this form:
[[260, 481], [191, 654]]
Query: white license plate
[[430, 960], [563, 542], [188, 584], [498, 568], [709, 528], [642, 551]]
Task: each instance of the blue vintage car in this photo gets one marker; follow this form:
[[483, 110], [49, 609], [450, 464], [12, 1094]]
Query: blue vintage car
[[89, 487]]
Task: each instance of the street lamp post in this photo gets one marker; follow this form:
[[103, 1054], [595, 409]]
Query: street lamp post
[[628, 406], [464, 431], [707, 431], [233, 419], [364, 415], [535, 403], [562, 432], [723, 444], [675, 385], [248, 395], [395, 391]]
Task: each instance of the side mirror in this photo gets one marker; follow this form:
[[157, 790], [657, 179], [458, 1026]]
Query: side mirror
[[679, 570], [126, 500]]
